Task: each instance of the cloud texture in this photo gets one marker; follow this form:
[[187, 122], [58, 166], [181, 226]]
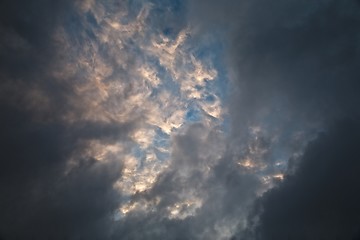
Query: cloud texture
[[296, 67], [179, 120]]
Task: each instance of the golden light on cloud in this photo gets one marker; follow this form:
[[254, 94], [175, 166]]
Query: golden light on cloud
[[247, 163], [131, 88], [136, 119], [279, 176], [182, 210]]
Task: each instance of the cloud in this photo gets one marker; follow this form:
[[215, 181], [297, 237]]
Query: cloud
[[202, 194], [44, 196], [54, 184], [292, 57], [320, 201], [92, 92], [125, 120], [293, 67]]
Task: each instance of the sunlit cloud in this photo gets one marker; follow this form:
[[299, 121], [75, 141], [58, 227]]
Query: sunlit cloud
[[178, 127]]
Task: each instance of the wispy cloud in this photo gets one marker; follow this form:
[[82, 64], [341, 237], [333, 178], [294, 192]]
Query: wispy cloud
[[177, 120]]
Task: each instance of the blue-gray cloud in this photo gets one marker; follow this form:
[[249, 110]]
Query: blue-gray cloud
[[296, 68], [118, 124]]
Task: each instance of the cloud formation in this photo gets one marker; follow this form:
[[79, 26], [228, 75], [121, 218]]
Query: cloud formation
[[321, 200], [92, 93], [179, 120], [203, 194], [52, 187], [295, 65]]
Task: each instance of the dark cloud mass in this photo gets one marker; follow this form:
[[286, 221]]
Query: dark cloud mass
[[296, 65], [49, 189], [301, 60], [292, 108], [307, 55], [321, 201]]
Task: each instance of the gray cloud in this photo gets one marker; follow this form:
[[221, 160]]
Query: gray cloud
[[295, 66], [320, 201], [292, 57], [293, 69], [52, 185], [207, 189], [41, 197]]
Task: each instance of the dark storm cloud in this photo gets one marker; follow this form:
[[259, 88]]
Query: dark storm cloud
[[307, 57], [41, 197], [49, 188], [26, 32], [296, 68], [321, 201], [294, 57]]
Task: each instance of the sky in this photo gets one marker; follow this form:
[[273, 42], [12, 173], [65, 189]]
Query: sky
[[177, 120]]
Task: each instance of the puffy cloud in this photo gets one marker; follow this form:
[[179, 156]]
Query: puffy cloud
[[92, 94], [118, 123], [202, 194]]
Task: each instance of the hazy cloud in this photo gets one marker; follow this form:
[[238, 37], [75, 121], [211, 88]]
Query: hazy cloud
[[320, 201], [295, 65], [179, 120], [51, 187]]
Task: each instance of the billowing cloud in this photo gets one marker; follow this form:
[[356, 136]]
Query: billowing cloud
[[294, 66], [179, 120], [203, 194], [52, 185], [92, 95]]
